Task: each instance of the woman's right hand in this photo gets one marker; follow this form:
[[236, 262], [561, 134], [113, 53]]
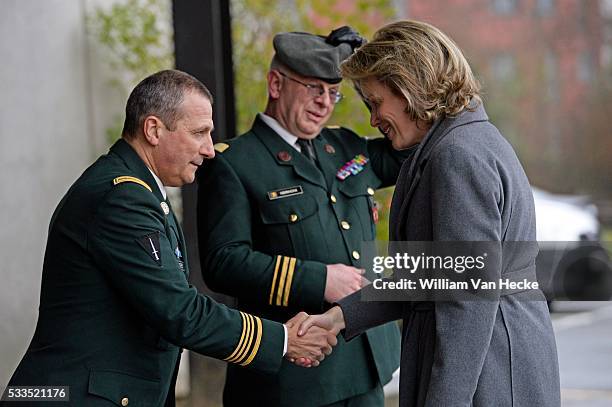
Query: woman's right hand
[[332, 321]]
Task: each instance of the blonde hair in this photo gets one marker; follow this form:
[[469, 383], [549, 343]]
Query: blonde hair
[[419, 63]]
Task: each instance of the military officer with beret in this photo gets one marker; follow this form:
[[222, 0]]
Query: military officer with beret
[[115, 305], [282, 213]]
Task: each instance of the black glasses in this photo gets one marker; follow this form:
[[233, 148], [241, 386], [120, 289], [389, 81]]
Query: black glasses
[[317, 90]]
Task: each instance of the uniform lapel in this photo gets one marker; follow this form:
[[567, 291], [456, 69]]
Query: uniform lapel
[[327, 161], [286, 155], [181, 239]]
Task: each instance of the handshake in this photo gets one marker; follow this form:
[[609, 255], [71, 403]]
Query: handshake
[[311, 337]]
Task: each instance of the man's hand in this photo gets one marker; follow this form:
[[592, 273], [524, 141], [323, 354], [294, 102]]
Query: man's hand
[[310, 347], [342, 280]]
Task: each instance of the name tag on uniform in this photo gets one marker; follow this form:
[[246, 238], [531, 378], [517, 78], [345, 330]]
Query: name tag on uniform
[[285, 192]]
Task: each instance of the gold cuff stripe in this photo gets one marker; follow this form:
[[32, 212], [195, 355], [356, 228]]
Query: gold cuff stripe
[[248, 337], [284, 280], [250, 332], [281, 284], [135, 180], [278, 258], [257, 343], [289, 279], [242, 339]]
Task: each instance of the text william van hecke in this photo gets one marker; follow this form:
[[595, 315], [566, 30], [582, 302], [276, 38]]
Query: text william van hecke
[[448, 284]]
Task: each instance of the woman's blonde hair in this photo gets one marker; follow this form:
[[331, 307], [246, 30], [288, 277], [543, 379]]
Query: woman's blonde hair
[[419, 63]]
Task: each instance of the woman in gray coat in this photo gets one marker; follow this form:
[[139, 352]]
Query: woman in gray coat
[[463, 183]]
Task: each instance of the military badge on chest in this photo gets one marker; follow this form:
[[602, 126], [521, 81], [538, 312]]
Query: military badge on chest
[[375, 214], [353, 167], [165, 208]]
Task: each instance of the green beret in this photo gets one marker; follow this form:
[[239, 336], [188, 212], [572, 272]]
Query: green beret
[[314, 55]]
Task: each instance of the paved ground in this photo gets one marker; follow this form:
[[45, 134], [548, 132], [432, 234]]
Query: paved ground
[[584, 342]]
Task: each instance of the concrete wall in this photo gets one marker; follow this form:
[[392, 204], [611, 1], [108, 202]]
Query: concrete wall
[[51, 129]]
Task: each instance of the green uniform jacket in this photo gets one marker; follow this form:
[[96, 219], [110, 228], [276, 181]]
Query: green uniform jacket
[[269, 222], [115, 304]]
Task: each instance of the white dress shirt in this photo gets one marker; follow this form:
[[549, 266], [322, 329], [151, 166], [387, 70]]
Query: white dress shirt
[[281, 131]]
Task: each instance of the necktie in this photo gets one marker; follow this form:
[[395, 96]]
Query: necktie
[[307, 149]]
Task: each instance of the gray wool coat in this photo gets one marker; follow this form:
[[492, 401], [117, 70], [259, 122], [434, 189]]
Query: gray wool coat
[[465, 183]]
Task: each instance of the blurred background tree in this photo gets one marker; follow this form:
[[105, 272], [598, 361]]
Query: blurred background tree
[[137, 36]]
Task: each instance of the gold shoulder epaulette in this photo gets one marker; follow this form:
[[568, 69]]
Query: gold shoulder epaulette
[[135, 180], [333, 127], [250, 339], [221, 147]]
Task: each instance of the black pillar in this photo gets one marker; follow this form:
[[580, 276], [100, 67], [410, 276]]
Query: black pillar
[[203, 48]]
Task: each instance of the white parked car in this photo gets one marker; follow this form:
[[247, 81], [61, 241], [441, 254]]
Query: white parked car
[[572, 263]]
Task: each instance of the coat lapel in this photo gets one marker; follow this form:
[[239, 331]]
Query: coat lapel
[[286, 155], [434, 136]]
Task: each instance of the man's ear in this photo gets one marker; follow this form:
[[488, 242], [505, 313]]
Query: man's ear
[[274, 84], [152, 128]]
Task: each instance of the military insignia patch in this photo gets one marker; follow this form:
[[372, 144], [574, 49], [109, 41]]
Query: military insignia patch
[[165, 208], [179, 257], [150, 243], [284, 156], [353, 167], [375, 214], [285, 192], [329, 149]]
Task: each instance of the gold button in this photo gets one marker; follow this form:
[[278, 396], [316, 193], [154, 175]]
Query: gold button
[[293, 217], [125, 401], [345, 225], [370, 191], [356, 255], [333, 198]]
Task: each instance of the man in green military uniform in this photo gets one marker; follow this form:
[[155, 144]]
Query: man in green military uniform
[[282, 214], [115, 305]]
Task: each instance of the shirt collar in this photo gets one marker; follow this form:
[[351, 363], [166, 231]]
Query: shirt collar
[[160, 185], [281, 131]]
